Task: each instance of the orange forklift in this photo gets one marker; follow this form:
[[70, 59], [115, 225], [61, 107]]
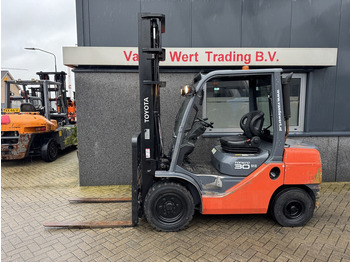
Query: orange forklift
[[40, 126], [254, 172], [71, 110]]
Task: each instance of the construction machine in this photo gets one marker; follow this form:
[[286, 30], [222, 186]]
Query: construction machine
[[71, 110], [255, 172], [39, 126]]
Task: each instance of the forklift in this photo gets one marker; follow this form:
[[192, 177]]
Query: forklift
[[255, 172], [39, 124]]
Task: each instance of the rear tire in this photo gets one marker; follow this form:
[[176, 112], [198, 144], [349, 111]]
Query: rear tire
[[292, 207], [49, 151], [168, 206]]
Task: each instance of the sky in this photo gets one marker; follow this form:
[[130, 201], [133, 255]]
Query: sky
[[44, 24]]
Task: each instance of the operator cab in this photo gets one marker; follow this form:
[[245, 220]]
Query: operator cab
[[26, 104], [235, 113]]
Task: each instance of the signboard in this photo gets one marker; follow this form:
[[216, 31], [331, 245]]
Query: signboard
[[9, 110], [128, 56]]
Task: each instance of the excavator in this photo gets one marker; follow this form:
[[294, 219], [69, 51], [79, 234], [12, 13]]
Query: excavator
[[40, 126], [257, 171]]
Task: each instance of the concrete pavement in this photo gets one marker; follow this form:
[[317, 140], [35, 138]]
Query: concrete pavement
[[34, 192]]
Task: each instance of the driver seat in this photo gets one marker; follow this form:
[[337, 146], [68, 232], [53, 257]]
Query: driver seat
[[27, 107], [249, 142]]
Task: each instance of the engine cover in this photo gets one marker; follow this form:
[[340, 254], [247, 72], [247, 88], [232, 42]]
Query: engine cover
[[237, 164]]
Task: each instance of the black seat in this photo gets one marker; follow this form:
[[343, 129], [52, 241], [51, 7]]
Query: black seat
[[27, 107], [249, 142]]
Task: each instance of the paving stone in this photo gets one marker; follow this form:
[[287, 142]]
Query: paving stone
[[34, 192]]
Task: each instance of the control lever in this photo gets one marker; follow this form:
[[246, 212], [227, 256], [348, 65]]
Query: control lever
[[206, 124]]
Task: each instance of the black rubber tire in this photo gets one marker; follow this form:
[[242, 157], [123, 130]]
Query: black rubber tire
[[168, 206], [49, 151], [292, 207]]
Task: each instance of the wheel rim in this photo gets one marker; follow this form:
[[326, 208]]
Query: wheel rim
[[169, 208], [293, 209], [52, 150]]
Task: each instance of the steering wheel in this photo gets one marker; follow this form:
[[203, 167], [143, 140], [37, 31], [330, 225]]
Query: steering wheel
[[204, 122]]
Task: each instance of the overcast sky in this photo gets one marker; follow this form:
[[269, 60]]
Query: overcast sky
[[44, 24]]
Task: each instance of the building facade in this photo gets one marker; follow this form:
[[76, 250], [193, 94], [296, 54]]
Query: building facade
[[6, 76], [309, 38]]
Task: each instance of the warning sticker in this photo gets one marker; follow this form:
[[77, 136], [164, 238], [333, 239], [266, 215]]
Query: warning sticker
[[147, 134], [148, 153]]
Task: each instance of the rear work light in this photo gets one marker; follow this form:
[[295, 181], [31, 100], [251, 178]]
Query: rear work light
[[42, 128]]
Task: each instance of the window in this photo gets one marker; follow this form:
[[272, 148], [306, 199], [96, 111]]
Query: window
[[263, 95], [227, 100], [297, 102], [226, 97]]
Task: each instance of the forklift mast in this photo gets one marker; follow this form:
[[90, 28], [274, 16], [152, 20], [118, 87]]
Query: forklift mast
[[42, 89], [59, 77], [151, 26]]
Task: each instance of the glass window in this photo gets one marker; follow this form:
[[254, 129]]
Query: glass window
[[297, 102], [264, 102], [227, 100]]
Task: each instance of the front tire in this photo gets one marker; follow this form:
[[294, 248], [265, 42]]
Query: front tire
[[292, 207], [168, 206], [49, 151]]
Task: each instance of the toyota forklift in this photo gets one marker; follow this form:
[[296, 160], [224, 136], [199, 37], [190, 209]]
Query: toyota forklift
[[254, 172]]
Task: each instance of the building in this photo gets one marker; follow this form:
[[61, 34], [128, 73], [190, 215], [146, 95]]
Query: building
[[5, 75], [310, 38]]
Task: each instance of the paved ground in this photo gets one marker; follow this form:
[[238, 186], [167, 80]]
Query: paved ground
[[34, 192]]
